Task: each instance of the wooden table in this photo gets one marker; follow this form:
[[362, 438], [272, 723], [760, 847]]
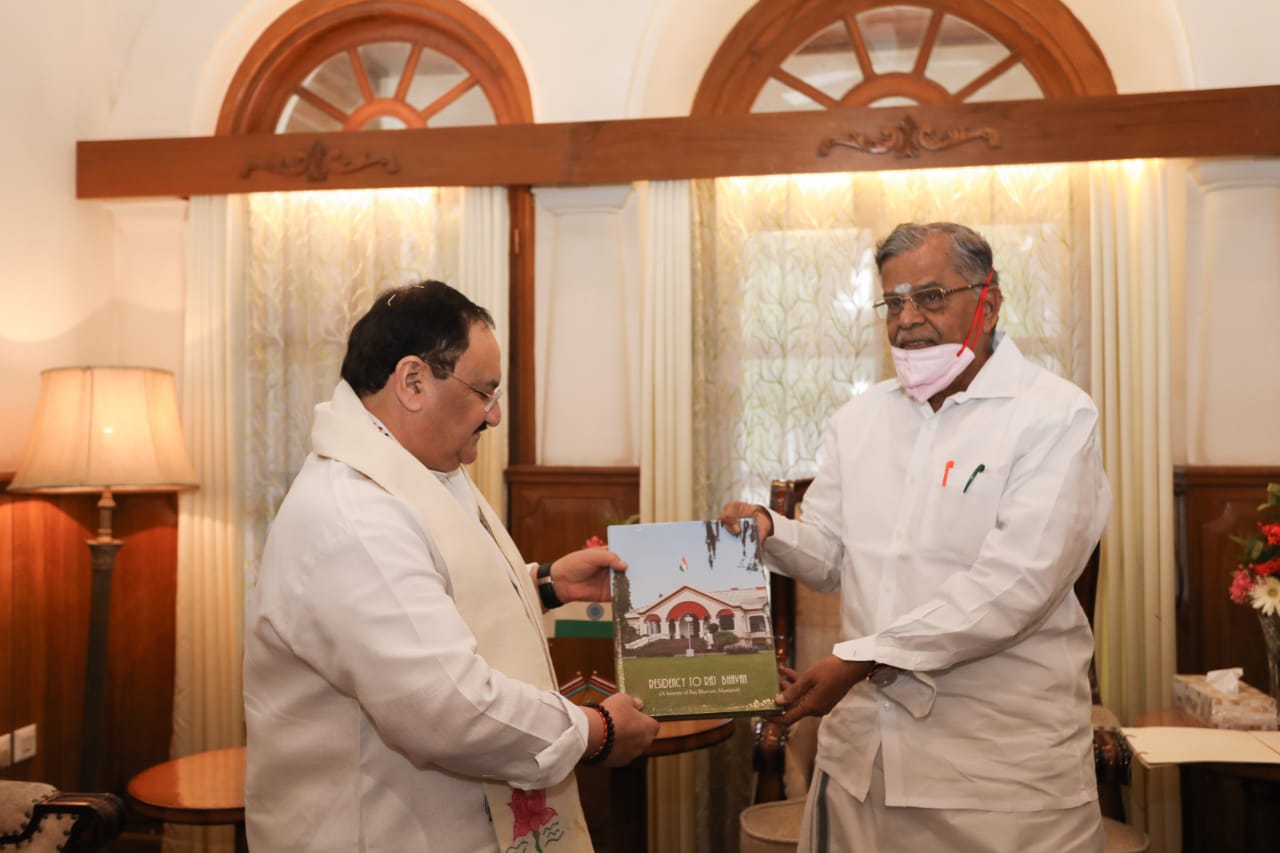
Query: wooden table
[[206, 789], [1226, 807], [628, 818], [676, 736]]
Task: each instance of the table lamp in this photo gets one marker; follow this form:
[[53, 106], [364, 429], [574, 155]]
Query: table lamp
[[103, 430]]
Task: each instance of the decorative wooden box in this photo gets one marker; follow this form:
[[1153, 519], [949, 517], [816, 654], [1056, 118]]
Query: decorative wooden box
[[1249, 710]]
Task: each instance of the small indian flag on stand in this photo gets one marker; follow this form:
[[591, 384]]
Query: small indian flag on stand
[[684, 564]]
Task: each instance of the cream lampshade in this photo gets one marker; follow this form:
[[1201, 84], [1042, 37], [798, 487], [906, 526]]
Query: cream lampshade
[[103, 430]]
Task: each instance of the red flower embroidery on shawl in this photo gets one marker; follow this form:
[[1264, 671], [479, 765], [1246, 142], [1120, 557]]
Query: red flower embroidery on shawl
[[531, 811]]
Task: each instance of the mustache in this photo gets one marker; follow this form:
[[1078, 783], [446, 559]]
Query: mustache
[[902, 340], [483, 426]]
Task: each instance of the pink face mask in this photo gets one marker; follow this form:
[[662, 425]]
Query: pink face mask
[[924, 372]]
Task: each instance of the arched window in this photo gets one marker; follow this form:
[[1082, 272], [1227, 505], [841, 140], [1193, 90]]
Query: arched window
[[371, 65], [785, 272], [343, 66], [821, 54]]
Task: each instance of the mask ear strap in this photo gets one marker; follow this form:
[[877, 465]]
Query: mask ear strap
[[975, 327]]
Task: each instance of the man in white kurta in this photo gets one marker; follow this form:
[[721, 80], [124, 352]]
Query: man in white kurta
[[954, 526], [398, 691]]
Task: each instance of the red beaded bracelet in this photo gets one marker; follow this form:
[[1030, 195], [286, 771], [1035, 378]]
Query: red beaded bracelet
[[606, 745]]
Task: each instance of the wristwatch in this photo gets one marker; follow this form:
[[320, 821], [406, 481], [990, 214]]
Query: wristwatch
[[547, 588], [882, 674]]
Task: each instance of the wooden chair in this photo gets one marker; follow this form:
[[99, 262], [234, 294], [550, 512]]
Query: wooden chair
[[35, 817], [772, 825]]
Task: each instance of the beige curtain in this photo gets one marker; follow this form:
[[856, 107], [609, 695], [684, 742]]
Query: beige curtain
[[314, 263], [785, 280], [1132, 292], [666, 488], [208, 712], [483, 274]]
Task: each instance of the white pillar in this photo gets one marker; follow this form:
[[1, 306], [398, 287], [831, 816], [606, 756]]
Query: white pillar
[[1233, 302], [587, 304], [149, 282]]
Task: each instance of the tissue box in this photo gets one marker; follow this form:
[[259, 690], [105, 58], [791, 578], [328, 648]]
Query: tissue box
[[1249, 710]]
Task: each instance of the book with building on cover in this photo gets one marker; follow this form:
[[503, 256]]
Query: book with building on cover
[[692, 631]]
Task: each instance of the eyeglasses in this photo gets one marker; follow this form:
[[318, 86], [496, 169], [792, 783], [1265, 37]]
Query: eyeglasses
[[931, 300], [490, 399]]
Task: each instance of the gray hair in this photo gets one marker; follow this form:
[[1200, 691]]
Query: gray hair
[[970, 254]]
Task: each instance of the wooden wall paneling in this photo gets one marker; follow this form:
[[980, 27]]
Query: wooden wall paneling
[[7, 606], [1213, 504], [44, 623], [141, 660], [1196, 123], [49, 630], [63, 523], [554, 509]]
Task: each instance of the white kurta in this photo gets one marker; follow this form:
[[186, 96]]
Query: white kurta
[[371, 719], [963, 579]]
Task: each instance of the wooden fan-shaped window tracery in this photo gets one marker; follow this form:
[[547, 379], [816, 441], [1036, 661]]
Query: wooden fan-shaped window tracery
[[824, 54], [376, 65], [386, 86]]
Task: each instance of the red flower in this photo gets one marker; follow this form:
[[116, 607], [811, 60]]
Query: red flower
[[1259, 553], [531, 811], [597, 542], [1241, 583], [1270, 567]]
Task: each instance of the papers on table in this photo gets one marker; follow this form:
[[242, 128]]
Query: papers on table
[[1156, 745]]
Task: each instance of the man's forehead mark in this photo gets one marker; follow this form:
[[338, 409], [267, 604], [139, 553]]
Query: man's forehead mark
[[906, 287]]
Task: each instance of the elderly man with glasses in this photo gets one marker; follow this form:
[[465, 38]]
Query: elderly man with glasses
[[399, 694], [954, 508]]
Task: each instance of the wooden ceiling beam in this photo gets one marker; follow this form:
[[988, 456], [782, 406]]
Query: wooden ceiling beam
[[1197, 123]]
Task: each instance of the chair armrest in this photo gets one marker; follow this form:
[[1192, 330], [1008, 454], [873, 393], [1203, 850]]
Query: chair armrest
[[768, 759], [99, 818], [1111, 757]]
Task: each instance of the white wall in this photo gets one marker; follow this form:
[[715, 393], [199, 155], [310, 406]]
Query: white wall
[[85, 282], [58, 304]]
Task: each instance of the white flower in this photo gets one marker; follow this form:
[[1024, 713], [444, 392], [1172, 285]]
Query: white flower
[[1266, 595]]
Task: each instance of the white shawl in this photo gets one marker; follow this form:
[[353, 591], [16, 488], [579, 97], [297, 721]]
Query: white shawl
[[496, 600]]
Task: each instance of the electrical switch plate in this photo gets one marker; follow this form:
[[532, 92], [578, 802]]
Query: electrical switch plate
[[6, 758], [24, 743]]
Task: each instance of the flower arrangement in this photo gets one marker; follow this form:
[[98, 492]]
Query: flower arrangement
[[1257, 579]]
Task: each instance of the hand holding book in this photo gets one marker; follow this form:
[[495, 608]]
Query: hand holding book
[[735, 510], [585, 575], [633, 730]]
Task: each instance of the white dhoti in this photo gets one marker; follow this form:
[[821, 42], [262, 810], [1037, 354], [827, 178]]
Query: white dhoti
[[837, 822]]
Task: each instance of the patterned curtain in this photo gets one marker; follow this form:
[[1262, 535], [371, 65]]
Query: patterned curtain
[[784, 281], [313, 264]]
